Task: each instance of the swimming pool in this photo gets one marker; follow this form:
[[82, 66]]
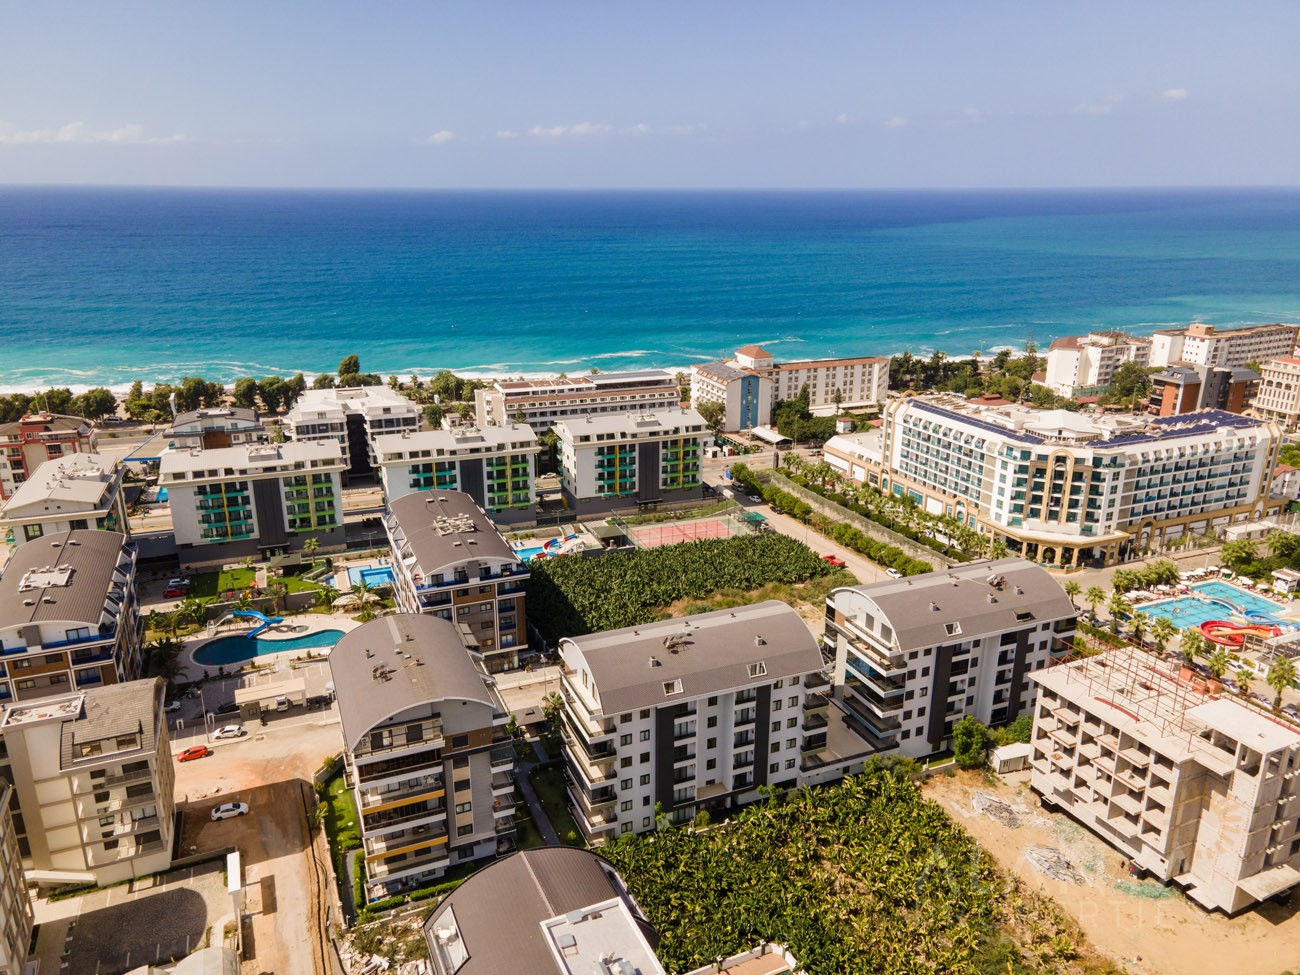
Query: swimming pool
[[527, 553], [370, 575], [233, 649], [1238, 596], [162, 494], [1186, 611]]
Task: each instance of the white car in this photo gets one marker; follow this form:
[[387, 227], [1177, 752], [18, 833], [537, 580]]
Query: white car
[[182, 582], [893, 573], [229, 731], [229, 810], [172, 706]]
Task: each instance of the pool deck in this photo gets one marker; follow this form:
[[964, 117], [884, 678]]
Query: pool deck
[[1283, 610], [192, 670], [340, 578]]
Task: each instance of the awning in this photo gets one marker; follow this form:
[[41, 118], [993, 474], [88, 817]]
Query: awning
[[295, 690], [57, 878], [769, 435]]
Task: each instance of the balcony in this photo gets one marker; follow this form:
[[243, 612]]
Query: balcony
[[815, 722], [503, 783], [744, 718], [502, 759], [98, 785], [417, 837], [683, 753], [506, 825], [593, 773], [382, 869], [503, 806], [430, 786]]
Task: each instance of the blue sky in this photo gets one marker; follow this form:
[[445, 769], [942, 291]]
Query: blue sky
[[699, 94]]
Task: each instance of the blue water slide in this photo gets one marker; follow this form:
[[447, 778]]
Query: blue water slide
[[254, 614], [1268, 619]]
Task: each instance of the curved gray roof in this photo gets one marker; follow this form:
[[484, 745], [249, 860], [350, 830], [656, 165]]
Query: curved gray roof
[[435, 548], [78, 595], [425, 659]]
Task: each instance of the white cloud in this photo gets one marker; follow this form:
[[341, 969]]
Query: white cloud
[[78, 133], [897, 122], [507, 134], [1175, 94], [842, 118], [441, 137], [578, 129], [1103, 107], [639, 129]]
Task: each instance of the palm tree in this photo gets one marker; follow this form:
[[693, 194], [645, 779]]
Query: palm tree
[[310, 547], [277, 592], [1245, 678], [1218, 663], [1281, 675], [1094, 597], [1162, 631], [1117, 607], [1072, 589], [1192, 645], [1139, 625]]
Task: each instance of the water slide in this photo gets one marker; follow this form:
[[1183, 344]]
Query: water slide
[[254, 614], [1268, 619], [1227, 634]]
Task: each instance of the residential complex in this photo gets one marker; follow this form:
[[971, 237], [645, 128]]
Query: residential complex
[[15, 905], [421, 719], [449, 560], [541, 403], [1187, 388], [92, 774], [746, 396], [913, 656], [66, 494], [689, 715], [622, 461], [1205, 345], [253, 500], [28, 443], [1069, 488], [1278, 398], [494, 465], [1196, 790], [225, 426], [68, 615], [353, 417], [1082, 364], [569, 914]]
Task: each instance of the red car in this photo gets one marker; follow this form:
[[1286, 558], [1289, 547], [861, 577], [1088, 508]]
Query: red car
[[834, 560], [193, 752], [175, 592]]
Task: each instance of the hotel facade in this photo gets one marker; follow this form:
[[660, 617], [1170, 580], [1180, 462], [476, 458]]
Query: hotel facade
[[542, 403], [1206, 345], [353, 417]]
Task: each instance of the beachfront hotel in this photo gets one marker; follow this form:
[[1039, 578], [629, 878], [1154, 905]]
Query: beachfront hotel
[[66, 494], [541, 403], [746, 396], [623, 461], [1200, 791], [494, 465], [1205, 345], [68, 615], [255, 500], [450, 561], [15, 905], [28, 443], [428, 756], [690, 714], [913, 656], [1068, 488], [1278, 397], [224, 426], [1083, 364], [93, 782], [354, 417]]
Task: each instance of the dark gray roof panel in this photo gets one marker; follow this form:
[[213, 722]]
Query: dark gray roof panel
[[417, 515], [91, 556], [110, 711]]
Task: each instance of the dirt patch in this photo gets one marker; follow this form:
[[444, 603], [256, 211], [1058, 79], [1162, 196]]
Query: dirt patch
[[996, 809], [1053, 862]]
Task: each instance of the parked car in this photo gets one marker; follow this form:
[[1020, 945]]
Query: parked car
[[282, 704], [229, 731], [229, 810], [172, 706], [318, 701], [228, 708], [175, 592], [1291, 710], [755, 498], [834, 560], [893, 573], [180, 582], [193, 752], [777, 509]]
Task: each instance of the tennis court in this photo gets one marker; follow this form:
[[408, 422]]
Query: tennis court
[[655, 535]]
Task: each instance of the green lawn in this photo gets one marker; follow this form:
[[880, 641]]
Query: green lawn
[[341, 816], [549, 785], [526, 835], [205, 585]]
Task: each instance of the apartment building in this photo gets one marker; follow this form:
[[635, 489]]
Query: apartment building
[[623, 461], [570, 914], [914, 656], [28, 443], [1070, 488], [214, 427], [354, 417], [861, 383], [1185, 388], [496, 466], [689, 715], [254, 500], [1278, 397], [66, 494], [1198, 791], [541, 403], [15, 905], [92, 775], [69, 619], [421, 719], [1205, 345], [746, 396], [1080, 364], [450, 561]]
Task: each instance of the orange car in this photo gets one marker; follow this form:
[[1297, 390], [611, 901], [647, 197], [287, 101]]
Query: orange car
[[193, 752]]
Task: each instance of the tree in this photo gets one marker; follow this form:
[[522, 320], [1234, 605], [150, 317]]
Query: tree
[[350, 365], [293, 388], [1072, 589], [1192, 645], [323, 381], [244, 393], [1094, 597], [1117, 606], [837, 397], [1162, 631], [465, 411], [1218, 663], [95, 404], [713, 413], [272, 391], [1245, 678], [1236, 555], [970, 743], [311, 546], [1132, 382], [433, 415], [553, 710], [162, 659], [1138, 624], [1281, 675]]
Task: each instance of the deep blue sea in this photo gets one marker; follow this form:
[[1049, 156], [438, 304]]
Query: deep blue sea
[[101, 286]]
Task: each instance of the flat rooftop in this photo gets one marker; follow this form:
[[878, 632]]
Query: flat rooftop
[[251, 458], [602, 937], [83, 480], [659, 421]]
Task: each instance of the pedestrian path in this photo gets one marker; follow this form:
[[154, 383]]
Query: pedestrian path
[[535, 807]]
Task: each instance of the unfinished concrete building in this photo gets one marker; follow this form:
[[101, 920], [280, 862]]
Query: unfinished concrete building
[[1197, 790]]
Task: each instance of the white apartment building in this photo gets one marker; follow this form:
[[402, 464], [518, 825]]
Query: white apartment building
[[861, 382], [450, 561], [223, 426], [1068, 488], [1198, 791], [428, 755], [255, 500], [94, 781], [66, 494], [746, 396], [496, 466], [69, 619], [1278, 398], [629, 460], [354, 417], [15, 905], [1205, 345], [914, 656], [541, 403], [694, 714], [1085, 362]]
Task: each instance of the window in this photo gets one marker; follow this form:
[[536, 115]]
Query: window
[[645, 780], [645, 758], [774, 747], [645, 735], [624, 740], [625, 784], [645, 714], [465, 830], [789, 763], [460, 761], [625, 828], [462, 611], [645, 822], [464, 807], [625, 805], [645, 800], [711, 743], [792, 702], [625, 762], [774, 767], [460, 741], [711, 764], [672, 687], [713, 721], [624, 718], [713, 702], [758, 669], [790, 723], [952, 629], [789, 743]]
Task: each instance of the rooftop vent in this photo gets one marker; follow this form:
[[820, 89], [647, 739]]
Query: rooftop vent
[[992, 599], [654, 661], [759, 641], [934, 607]]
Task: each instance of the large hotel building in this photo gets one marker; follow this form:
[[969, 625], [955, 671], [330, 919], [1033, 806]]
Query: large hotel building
[[541, 403]]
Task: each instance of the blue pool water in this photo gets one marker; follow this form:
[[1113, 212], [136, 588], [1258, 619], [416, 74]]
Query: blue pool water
[[529, 552], [1186, 611], [371, 576], [1237, 596], [233, 649], [162, 494]]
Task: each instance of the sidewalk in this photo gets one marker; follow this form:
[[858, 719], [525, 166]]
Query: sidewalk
[[535, 808]]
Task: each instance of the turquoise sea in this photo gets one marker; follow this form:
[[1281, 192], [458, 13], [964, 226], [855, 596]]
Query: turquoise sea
[[100, 286]]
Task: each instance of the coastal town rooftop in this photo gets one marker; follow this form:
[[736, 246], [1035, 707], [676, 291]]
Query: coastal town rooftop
[[246, 460], [458, 440], [631, 425], [600, 380], [80, 480]]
